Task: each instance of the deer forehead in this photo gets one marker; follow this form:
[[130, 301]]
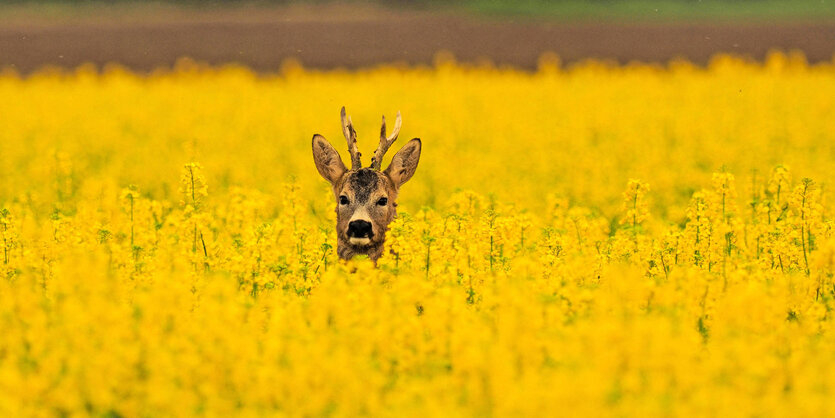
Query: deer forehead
[[364, 183]]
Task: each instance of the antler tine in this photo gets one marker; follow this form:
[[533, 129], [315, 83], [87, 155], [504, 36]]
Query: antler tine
[[385, 142], [351, 137]]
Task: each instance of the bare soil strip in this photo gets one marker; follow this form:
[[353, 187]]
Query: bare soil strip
[[330, 38]]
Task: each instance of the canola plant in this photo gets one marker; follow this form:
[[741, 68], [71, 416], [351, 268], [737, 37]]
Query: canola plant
[[634, 240]]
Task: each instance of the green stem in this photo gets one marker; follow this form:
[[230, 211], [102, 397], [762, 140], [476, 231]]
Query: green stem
[[428, 253], [5, 246], [803, 228], [131, 222]]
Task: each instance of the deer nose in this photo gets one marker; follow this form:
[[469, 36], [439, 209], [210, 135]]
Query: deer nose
[[360, 229]]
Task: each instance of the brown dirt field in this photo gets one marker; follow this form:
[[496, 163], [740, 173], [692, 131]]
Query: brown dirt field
[[338, 37]]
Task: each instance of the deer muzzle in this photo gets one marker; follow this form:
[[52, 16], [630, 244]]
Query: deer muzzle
[[360, 232]]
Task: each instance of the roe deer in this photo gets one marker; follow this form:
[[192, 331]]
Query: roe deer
[[365, 197]]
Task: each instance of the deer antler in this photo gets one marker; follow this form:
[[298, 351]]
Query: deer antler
[[385, 142], [351, 137]]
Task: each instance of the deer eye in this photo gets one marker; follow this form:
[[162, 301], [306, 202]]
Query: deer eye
[[343, 200], [382, 202]]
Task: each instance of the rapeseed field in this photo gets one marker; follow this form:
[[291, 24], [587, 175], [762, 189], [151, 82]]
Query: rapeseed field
[[601, 240]]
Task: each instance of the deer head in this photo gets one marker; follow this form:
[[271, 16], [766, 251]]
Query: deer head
[[366, 198]]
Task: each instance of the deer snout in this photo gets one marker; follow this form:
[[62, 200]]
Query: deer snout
[[360, 229]]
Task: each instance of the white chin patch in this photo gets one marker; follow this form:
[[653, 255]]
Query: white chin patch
[[359, 241]]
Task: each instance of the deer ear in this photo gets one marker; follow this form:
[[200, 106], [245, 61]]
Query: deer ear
[[327, 160], [404, 163]]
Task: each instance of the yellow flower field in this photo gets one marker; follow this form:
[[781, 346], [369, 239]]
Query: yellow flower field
[[600, 240]]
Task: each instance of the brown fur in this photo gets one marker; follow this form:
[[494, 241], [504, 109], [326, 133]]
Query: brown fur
[[363, 188], [364, 195]]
